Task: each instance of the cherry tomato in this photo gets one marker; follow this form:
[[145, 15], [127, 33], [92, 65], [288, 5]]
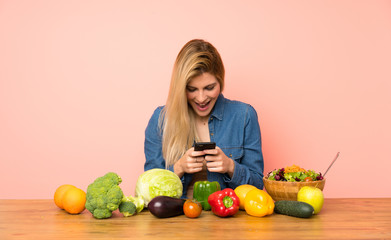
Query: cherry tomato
[[308, 179], [192, 208]]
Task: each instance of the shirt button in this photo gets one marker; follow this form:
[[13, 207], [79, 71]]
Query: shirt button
[[211, 134], [230, 155], [211, 118]]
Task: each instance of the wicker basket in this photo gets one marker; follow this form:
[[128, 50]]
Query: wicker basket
[[280, 190]]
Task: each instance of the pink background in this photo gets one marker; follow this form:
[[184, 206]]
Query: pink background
[[79, 81]]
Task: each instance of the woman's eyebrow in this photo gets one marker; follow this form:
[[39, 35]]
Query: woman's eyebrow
[[211, 85], [207, 86], [190, 87]]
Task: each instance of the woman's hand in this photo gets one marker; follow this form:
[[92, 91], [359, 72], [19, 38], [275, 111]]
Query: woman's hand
[[217, 161], [191, 162]]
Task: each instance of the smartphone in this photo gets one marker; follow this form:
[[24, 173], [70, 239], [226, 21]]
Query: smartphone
[[200, 146]]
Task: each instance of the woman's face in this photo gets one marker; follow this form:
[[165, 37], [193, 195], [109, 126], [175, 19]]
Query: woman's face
[[202, 93]]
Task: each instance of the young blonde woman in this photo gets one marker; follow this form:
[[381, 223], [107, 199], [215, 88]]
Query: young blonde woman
[[196, 111]]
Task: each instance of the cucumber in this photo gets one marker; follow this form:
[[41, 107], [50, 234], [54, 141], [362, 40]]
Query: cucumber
[[294, 208]]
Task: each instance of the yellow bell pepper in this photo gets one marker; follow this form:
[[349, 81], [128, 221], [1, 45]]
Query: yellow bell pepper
[[258, 203]]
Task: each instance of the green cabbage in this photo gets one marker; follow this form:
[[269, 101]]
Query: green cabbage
[[158, 182]]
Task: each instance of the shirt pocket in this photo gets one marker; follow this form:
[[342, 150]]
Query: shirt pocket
[[235, 153]]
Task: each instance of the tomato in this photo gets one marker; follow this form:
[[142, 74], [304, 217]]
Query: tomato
[[192, 208], [308, 179]]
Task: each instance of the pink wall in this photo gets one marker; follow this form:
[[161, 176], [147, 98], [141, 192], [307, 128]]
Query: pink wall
[[80, 79]]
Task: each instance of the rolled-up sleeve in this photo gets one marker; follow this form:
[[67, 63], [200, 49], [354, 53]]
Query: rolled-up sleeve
[[250, 168]]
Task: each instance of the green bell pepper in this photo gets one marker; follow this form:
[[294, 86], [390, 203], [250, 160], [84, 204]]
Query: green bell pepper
[[202, 190]]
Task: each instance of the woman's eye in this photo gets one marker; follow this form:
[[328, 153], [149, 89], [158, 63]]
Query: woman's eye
[[190, 89], [210, 87]]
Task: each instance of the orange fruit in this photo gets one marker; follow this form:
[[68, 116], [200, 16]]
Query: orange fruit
[[58, 195], [74, 200], [241, 192]]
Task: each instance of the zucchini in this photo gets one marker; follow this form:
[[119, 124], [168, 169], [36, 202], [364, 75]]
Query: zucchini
[[294, 208]]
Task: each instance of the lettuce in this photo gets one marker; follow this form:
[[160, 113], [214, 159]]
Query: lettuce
[[158, 182], [299, 176]]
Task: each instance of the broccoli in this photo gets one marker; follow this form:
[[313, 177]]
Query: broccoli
[[104, 195], [138, 201], [127, 207], [131, 205]]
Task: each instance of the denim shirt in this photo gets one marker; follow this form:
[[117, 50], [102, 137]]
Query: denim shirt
[[234, 127]]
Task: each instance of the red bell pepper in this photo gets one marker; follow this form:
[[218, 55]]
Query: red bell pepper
[[224, 203]]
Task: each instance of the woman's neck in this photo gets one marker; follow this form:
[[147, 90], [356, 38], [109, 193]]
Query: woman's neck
[[202, 120], [202, 128]]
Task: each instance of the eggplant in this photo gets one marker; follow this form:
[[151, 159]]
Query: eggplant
[[164, 207]]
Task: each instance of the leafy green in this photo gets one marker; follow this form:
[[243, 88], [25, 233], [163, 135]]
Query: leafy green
[[281, 175], [158, 182]]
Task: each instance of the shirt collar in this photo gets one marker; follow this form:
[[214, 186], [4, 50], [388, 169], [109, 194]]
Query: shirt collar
[[219, 107]]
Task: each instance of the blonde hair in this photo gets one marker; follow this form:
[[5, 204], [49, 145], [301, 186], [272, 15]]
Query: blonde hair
[[177, 119]]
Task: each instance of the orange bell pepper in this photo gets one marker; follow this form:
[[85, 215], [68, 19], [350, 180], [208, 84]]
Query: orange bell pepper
[[258, 203]]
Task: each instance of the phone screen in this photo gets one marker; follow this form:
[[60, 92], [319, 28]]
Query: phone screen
[[199, 146]]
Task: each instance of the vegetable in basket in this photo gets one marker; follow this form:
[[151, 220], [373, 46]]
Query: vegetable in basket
[[294, 173]]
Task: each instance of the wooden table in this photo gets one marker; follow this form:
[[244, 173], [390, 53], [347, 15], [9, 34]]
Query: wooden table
[[339, 219]]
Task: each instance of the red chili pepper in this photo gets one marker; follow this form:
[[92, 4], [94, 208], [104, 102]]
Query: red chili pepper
[[224, 203]]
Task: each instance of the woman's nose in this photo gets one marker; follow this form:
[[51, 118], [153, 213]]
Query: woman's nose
[[201, 97]]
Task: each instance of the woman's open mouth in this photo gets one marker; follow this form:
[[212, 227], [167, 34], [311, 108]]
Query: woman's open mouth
[[202, 107]]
